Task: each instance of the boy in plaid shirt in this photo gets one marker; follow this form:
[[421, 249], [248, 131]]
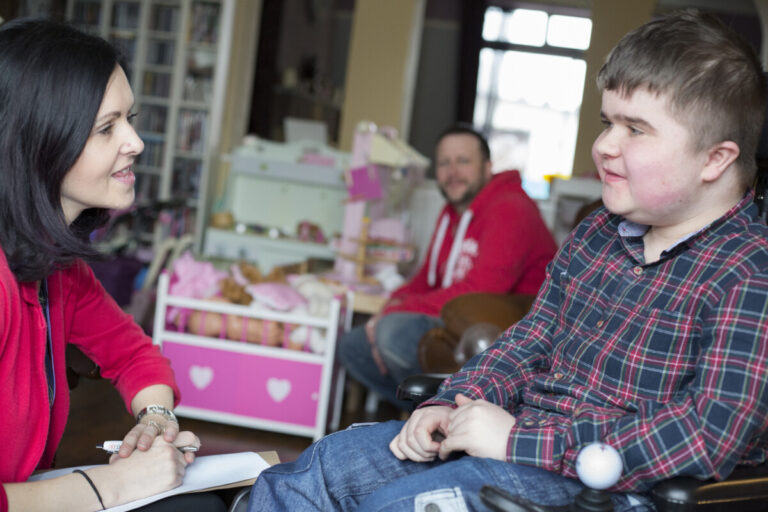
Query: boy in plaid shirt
[[649, 333]]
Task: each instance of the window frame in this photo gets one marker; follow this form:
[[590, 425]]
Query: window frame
[[492, 95]]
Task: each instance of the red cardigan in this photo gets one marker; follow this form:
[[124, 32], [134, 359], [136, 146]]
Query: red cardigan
[[81, 313]]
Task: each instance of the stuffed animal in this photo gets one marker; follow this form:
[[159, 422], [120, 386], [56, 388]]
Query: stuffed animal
[[246, 286], [234, 292], [318, 294]]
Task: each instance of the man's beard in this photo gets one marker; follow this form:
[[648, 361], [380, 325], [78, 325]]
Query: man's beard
[[466, 198]]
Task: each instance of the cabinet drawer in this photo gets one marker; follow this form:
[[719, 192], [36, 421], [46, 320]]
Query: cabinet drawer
[[257, 386]]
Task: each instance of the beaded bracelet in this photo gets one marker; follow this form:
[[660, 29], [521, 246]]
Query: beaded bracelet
[[157, 409]]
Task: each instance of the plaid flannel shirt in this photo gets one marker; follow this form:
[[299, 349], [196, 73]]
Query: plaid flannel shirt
[[667, 362]]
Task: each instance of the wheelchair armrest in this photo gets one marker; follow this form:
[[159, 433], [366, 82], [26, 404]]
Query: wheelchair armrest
[[418, 388], [240, 501], [499, 500], [745, 488]]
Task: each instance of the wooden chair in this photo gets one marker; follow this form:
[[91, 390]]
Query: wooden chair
[[437, 347]]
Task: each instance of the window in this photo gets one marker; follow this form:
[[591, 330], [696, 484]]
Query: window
[[529, 89]]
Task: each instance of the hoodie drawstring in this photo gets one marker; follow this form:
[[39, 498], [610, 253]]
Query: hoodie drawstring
[[466, 217]]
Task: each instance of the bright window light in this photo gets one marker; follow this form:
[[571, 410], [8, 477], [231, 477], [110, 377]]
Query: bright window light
[[569, 32], [541, 80], [485, 71], [481, 110], [528, 103], [494, 17], [526, 26], [531, 105]]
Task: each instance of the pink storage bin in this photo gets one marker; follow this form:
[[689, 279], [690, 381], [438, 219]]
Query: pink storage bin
[[257, 386]]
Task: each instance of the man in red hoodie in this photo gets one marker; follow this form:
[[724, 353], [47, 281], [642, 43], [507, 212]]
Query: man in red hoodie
[[489, 237]]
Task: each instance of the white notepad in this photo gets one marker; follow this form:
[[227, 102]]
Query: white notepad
[[207, 472]]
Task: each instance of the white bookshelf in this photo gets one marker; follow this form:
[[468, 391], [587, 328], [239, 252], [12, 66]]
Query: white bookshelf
[[178, 61]]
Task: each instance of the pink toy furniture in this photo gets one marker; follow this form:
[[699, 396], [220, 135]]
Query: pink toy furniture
[[255, 385], [383, 171]]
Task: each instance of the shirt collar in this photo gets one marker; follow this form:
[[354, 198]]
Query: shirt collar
[[629, 229]]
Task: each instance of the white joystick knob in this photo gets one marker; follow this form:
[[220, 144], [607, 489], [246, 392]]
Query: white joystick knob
[[599, 466]]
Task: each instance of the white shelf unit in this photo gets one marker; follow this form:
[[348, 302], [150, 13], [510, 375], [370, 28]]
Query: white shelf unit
[[275, 193], [254, 385], [178, 59]]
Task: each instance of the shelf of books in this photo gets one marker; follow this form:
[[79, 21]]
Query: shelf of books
[[176, 60]]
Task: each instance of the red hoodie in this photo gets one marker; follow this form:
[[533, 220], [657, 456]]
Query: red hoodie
[[500, 244]]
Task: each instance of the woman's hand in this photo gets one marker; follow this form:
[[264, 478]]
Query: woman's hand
[[145, 473], [144, 433], [152, 426], [477, 427], [159, 468]]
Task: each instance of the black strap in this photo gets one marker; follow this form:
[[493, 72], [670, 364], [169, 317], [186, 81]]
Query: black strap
[[42, 296], [93, 486]]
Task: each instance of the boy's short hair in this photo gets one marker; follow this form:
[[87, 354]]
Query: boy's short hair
[[713, 79], [467, 129]]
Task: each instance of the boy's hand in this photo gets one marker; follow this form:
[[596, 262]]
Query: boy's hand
[[477, 427], [416, 440]]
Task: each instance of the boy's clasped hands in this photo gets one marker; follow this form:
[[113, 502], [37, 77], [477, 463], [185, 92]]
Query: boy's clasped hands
[[477, 427]]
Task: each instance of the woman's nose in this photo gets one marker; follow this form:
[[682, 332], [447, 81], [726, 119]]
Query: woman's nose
[[133, 145]]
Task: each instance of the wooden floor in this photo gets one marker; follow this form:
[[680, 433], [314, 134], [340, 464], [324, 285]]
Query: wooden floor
[[97, 413]]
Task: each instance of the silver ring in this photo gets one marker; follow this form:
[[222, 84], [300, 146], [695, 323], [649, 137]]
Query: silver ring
[[152, 423]]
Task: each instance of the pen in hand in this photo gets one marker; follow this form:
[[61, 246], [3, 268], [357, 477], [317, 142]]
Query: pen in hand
[[114, 447]]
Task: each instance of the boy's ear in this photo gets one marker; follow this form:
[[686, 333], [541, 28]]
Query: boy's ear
[[719, 158]]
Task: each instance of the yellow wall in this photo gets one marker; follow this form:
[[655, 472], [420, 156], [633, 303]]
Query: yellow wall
[[237, 98], [611, 19], [381, 67]]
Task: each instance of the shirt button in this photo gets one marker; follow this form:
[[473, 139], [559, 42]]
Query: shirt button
[[637, 270], [432, 507], [558, 375], [599, 323], [528, 423]]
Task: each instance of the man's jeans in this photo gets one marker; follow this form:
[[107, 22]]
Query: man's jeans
[[355, 470], [397, 338]]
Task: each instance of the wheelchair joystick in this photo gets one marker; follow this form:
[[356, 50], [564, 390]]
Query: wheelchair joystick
[[599, 467]]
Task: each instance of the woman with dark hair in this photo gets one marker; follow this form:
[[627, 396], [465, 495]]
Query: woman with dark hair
[[67, 148]]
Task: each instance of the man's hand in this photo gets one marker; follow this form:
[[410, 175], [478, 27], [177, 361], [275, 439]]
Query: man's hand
[[417, 439], [370, 332], [477, 427]]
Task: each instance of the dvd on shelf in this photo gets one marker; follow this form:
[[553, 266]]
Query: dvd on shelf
[[125, 15], [165, 18], [205, 22], [192, 130]]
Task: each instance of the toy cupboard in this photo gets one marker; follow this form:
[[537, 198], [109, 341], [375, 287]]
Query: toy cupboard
[[254, 385]]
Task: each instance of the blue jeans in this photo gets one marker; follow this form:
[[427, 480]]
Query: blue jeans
[[354, 470], [397, 338]]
